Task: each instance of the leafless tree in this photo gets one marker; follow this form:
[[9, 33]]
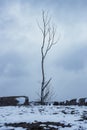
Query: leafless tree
[[48, 31]]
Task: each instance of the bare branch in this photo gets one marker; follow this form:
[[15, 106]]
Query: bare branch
[[47, 83], [40, 27], [48, 40], [46, 95]]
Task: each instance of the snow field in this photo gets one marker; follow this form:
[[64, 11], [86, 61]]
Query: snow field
[[62, 114]]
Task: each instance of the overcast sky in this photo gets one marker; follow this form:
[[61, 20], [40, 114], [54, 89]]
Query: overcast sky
[[20, 42]]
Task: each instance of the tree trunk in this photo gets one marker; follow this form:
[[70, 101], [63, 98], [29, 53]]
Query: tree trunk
[[43, 80]]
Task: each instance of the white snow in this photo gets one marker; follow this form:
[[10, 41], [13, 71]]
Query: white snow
[[21, 100], [51, 113], [86, 100], [11, 128]]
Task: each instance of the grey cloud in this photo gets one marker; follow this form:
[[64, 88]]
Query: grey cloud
[[12, 65], [20, 40], [74, 59]]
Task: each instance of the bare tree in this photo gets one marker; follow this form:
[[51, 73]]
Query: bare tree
[[48, 40]]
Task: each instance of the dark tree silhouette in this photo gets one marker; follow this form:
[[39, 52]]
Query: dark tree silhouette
[[48, 40]]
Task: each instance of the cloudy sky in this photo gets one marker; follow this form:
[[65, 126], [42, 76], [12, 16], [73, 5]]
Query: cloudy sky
[[20, 42]]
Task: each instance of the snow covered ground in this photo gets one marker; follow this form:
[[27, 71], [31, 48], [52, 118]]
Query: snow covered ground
[[76, 116]]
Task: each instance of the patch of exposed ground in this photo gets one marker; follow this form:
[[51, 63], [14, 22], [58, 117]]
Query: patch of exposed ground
[[39, 125]]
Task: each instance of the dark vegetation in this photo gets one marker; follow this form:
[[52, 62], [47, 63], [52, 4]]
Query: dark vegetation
[[39, 125]]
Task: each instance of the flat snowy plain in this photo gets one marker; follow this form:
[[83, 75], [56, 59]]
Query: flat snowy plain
[[76, 116]]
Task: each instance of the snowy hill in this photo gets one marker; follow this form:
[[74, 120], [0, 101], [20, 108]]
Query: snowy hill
[[47, 117], [17, 113]]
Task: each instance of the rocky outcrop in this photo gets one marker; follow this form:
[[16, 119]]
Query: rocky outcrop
[[80, 102], [14, 101], [71, 102]]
